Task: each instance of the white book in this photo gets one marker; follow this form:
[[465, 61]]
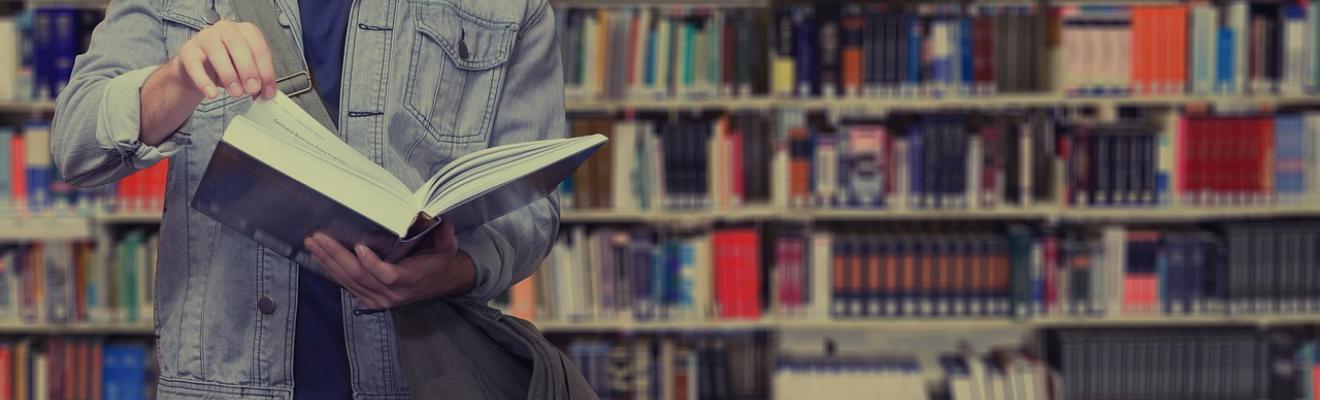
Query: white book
[[663, 62], [1295, 52], [10, 56], [1313, 155], [278, 175], [1115, 259], [624, 167], [702, 294], [821, 256], [717, 188], [638, 84], [1237, 21]]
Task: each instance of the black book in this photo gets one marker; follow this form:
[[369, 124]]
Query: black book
[[829, 44]]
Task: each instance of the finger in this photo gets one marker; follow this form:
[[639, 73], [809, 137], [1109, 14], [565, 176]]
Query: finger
[[337, 272], [218, 57], [261, 54], [241, 54], [384, 272], [193, 60], [352, 268], [445, 242]]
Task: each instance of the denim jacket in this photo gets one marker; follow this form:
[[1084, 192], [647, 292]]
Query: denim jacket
[[225, 306]]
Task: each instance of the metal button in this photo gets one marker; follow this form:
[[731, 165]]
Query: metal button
[[266, 305]]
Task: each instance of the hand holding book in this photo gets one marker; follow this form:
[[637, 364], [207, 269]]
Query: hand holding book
[[438, 269], [278, 175]]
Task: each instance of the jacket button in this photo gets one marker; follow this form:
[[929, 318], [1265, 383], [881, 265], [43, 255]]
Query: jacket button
[[266, 305]]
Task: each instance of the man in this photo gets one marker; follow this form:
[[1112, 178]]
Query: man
[[411, 84]]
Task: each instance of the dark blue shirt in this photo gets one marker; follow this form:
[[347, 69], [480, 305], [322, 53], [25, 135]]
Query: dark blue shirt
[[320, 357]]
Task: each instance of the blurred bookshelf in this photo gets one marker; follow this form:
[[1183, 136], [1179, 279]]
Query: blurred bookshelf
[[772, 217]]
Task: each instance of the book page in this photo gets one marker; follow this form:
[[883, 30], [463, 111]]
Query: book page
[[281, 116], [468, 185]]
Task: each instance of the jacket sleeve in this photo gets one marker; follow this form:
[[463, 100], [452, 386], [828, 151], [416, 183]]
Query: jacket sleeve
[[531, 107], [94, 139]]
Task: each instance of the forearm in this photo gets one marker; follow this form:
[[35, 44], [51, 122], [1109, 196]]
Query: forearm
[[167, 101]]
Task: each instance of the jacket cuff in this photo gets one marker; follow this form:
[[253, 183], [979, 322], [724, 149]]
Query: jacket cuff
[[120, 124], [487, 249]]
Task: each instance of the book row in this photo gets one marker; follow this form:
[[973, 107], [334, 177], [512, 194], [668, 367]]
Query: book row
[[62, 282], [948, 160], [38, 47], [1021, 271], [1184, 364], [76, 368], [925, 50], [30, 183], [1074, 364], [691, 368], [1002, 374], [646, 52]]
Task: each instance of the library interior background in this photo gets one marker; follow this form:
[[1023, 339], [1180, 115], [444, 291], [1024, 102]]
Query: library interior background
[[815, 199]]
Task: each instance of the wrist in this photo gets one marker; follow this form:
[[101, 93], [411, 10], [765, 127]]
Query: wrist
[[463, 275]]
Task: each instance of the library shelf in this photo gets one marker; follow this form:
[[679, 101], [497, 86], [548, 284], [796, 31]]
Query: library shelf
[[917, 325], [75, 225], [847, 105], [17, 107], [128, 217], [855, 104], [143, 328], [14, 228]]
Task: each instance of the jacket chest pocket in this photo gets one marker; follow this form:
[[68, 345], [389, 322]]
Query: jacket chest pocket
[[456, 71]]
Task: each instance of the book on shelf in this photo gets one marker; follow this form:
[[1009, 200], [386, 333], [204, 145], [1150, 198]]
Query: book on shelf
[[76, 367], [38, 47], [649, 52], [1190, 363], [665, 367], [60, 283], [30, 183], [950, 160], [789, 272], [275, 152]]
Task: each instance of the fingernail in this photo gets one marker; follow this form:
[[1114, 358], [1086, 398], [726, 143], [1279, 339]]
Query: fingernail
[[360, 249], [253, 87], [235, 90], [211, 92]]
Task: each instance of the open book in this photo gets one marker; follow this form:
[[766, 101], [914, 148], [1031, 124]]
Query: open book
[[278, 175]]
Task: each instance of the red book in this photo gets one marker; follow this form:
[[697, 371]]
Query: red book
[[56, 380], [737, 181], [1051, 250], [18, 172], [738, 255], [850, 56], [799, 189], [1264, 158], [6, 373], [983, 51]]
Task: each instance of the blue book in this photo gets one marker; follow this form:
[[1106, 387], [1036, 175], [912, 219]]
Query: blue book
[[36, 139], [914, 47], [1224, 61], [686, 276], [804, 37], [1289, 156], [123, 372], [6, 187], [916, 152]]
